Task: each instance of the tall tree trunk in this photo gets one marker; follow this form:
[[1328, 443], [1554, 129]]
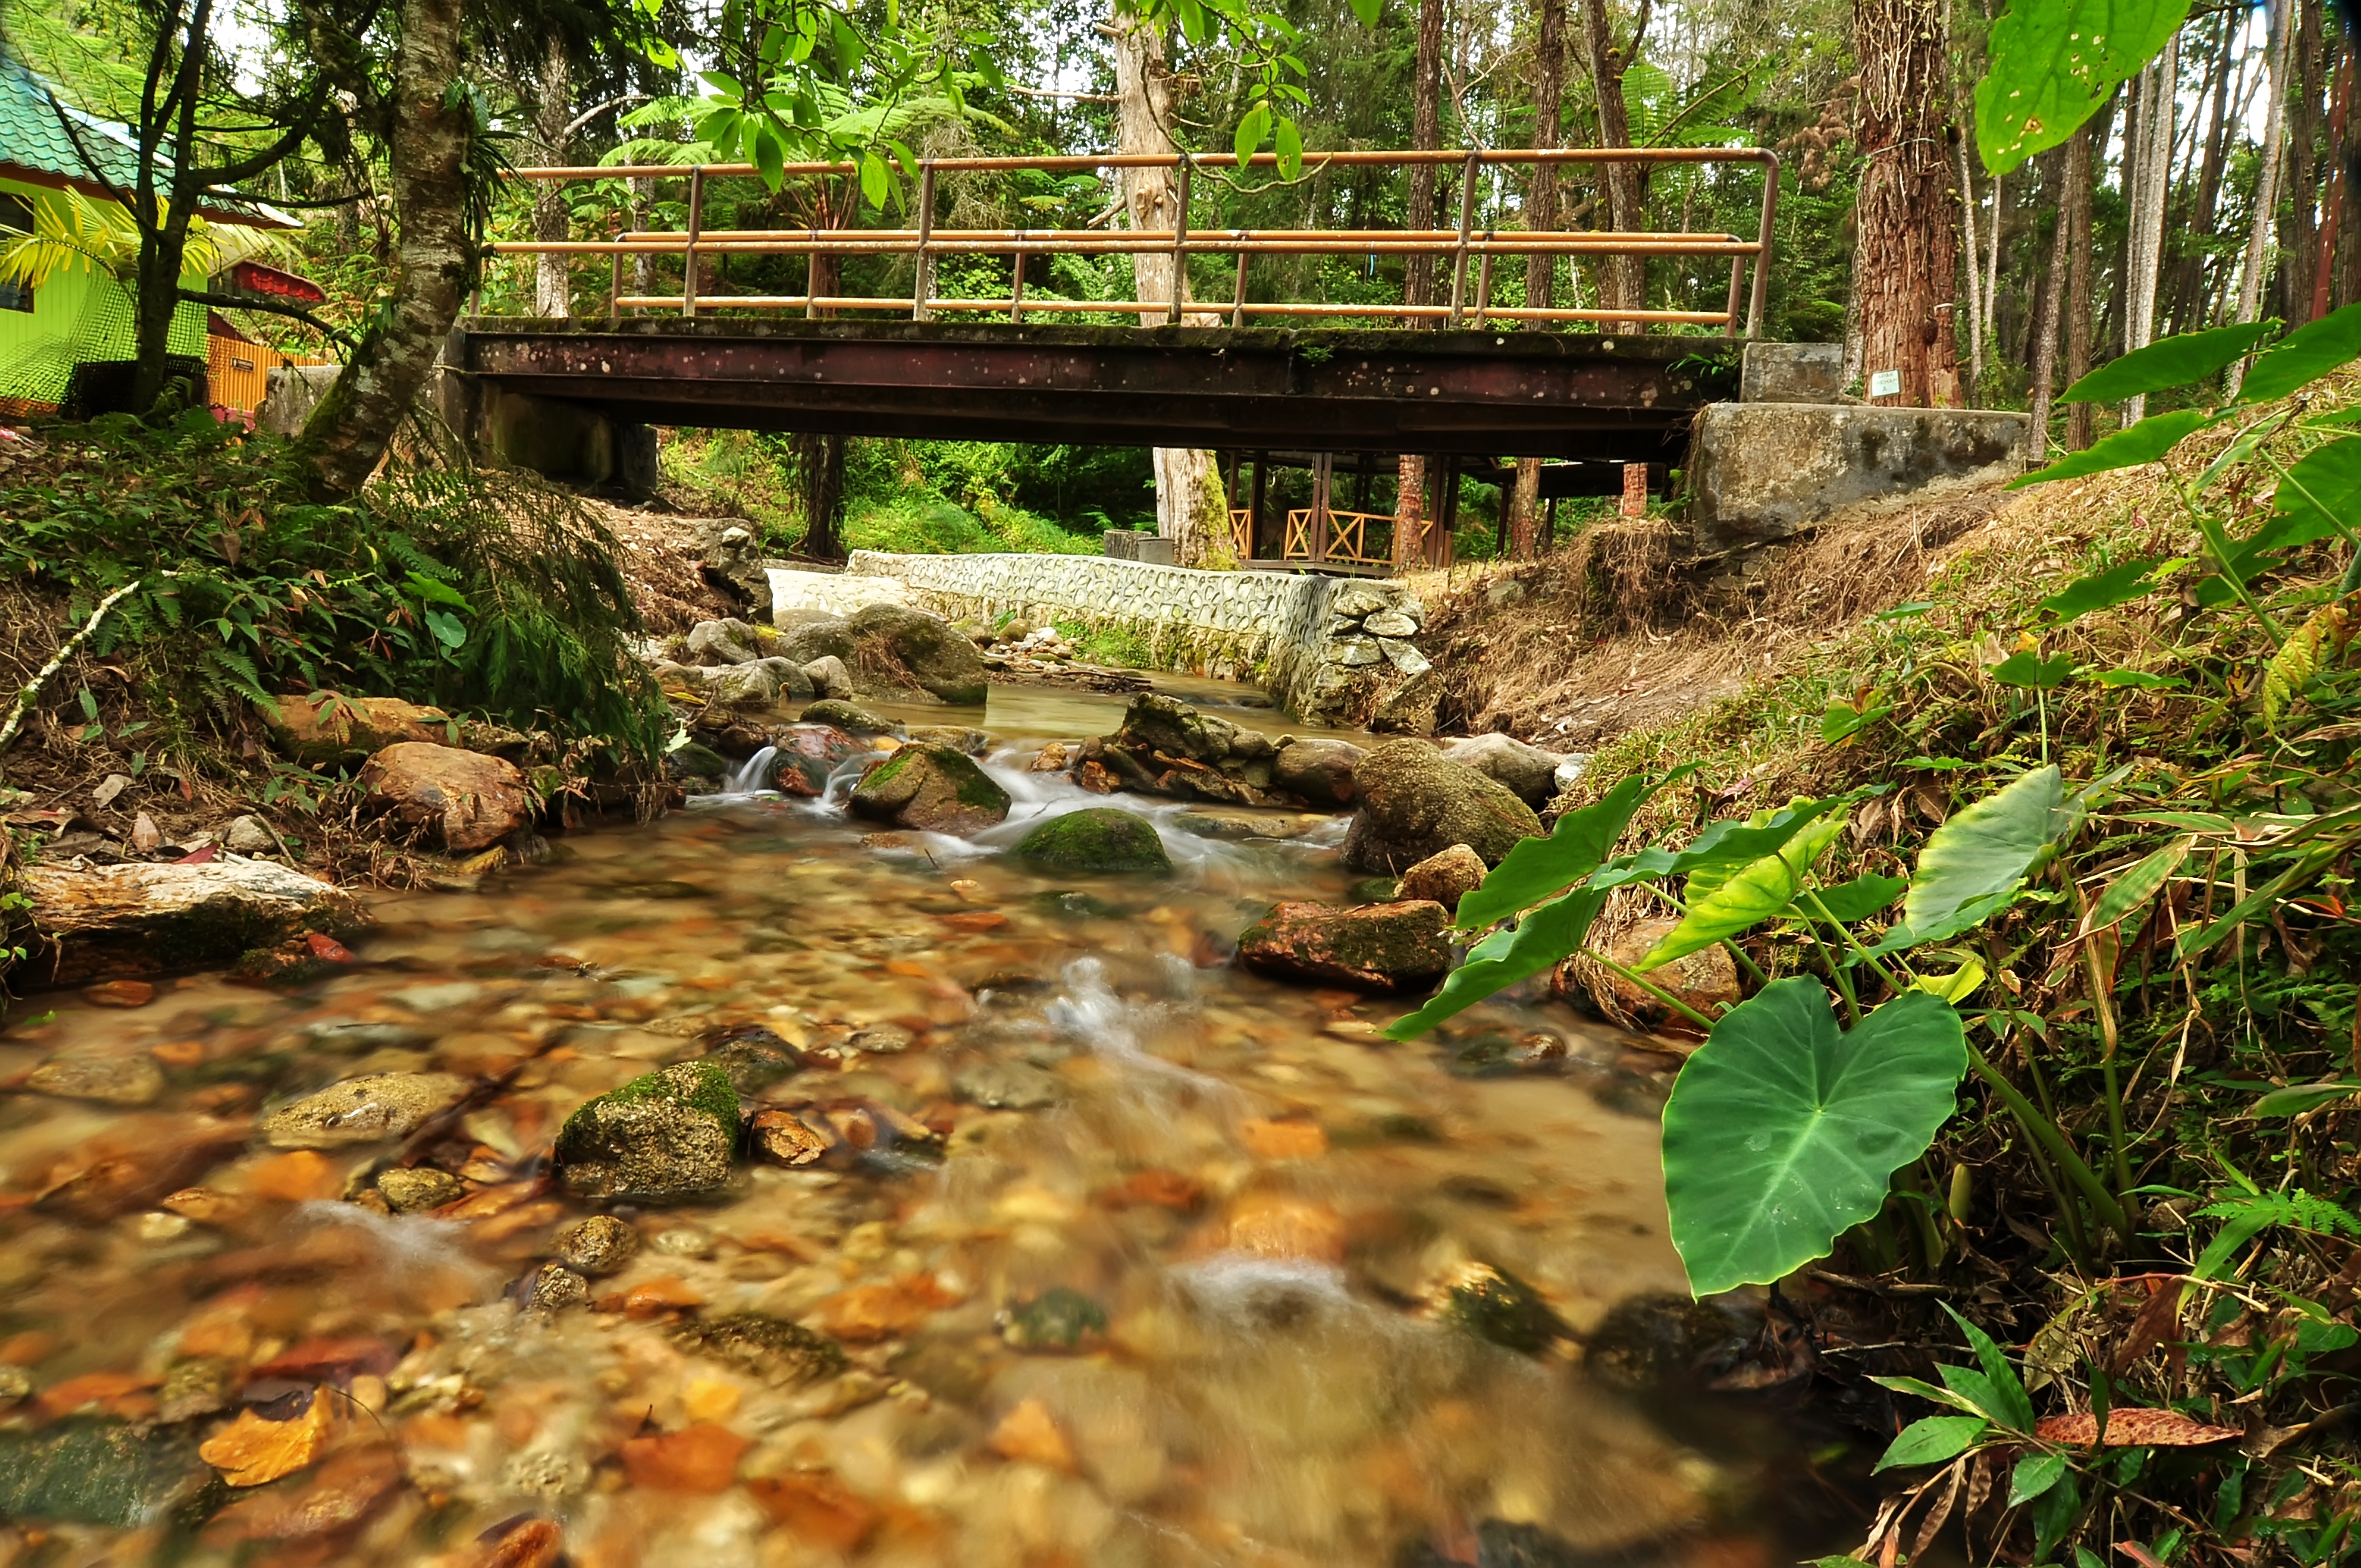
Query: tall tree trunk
[[1906, 254], [819, 479], [2043, 355], [2189, 270], [1974, 272], [2077, 220], [175, 60], [1623, 280], [551, 295], [349, 431], [1541, 202], [1525, 509], [1190, 508], [2146, 256], [2266, 178], [2299, 235], [1410, 512], [1426, 135]]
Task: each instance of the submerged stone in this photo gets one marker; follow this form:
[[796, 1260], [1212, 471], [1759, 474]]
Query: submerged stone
[[668, 1135], [756, 1059], [779, 1352], [1498, 1308], [1008, 1086], [410, 1190], [364, 1110], [110, 1080], [600, 1245], [100, 1474], [1378, 947], [1058, 1318], [1097, 839]]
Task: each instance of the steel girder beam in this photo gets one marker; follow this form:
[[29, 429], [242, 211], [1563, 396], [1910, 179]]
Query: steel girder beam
[[1472, 393]]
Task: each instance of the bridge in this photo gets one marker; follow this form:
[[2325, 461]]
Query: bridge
[[1457, 377]]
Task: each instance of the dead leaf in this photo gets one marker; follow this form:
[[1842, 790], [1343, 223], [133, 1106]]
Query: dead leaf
[[2133, 1429], [1030, 1433], [327, 949], [702, 1458], [2158, 1317], [109, 787], [344, 1491], [818, 1508], [145, 835], [251, 1451]]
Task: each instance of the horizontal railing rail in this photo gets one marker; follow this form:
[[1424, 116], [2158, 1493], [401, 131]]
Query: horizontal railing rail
[[1462, 246]]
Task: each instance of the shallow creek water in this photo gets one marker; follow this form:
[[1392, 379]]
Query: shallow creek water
[[1166, 1303]]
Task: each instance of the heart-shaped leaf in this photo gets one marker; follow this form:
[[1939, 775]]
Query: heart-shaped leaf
[[2032, 671], [2309, 353], [1782, 1132], [1973, 863], [2117, 585], [1720, 907]]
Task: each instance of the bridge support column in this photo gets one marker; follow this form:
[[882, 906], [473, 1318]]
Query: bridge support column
[[561, 441]]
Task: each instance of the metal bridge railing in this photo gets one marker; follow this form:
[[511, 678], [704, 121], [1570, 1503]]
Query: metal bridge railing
[[1460, 246]]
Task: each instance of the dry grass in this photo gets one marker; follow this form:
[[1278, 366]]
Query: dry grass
[[662, 557]]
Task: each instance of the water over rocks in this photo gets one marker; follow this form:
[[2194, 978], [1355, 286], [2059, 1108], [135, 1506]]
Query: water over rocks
[[1378, 946], [364, 1110]]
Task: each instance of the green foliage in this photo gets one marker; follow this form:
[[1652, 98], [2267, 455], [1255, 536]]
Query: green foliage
[[2054, 62], [2146, 442], [1784, 1131], [1972, 866], [483, 593], [2167, 362]]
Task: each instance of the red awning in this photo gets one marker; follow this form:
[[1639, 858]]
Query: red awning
[[254, 278]]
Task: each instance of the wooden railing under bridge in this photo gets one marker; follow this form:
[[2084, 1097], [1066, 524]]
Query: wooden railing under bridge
[[1467, 302]]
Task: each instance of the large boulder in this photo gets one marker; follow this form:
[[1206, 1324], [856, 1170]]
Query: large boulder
[[667, 1134], [110, 922], [1319, 772], [1528, 771], [936, 788], [831, 678], [924, 651], [758, 683], [323, 728], [1379, 947], [1178, 751], [1097, 839], [714, 643], [465, 799], [731, 556], [1416, 801], [815, 634], [1705, 980], [808, 755]]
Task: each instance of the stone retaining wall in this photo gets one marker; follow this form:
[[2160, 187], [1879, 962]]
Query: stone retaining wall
[[1281, 628]]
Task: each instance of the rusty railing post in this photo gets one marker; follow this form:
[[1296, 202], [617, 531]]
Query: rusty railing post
[[1016, 291], [1467, 222], [1180, 240], [924, 285], [1238, 300], [1762, 244], [688, 249]]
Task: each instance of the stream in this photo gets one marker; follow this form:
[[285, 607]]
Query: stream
[[1134, 1257]]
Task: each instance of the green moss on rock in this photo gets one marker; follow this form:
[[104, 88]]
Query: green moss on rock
[[935, 788], [1099, 839], [670, 1133]]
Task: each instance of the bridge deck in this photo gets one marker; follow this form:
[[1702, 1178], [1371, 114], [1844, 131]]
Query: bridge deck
[[1486, 393]]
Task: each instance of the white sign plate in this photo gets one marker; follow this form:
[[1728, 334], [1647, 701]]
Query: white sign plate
[[1885, 383]]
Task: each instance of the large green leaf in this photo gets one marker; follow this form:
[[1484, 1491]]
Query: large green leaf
[[2054, 62], [1931, 1440], [1782, 1132], [1860, 898], [1544, 936], [2310, 352], [2167, 362], [1534, 869], [2118, 584], [2324, 487], [1722, 902], [1972, 864], [2127, 448]]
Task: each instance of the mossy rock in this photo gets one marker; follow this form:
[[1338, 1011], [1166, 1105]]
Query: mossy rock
[[667, 1134], [783, 1354], [1097, 839], [848, 717], [97, 1473], [933, 788]]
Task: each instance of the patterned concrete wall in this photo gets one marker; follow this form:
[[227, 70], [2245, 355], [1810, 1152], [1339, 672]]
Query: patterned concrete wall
[[1299, 635]]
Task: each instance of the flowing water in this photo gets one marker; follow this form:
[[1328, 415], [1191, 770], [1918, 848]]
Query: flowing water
[[1134, 1257]]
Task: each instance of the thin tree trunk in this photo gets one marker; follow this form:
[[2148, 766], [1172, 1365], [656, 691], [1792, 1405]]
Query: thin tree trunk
[[1525, 509], [2076, 222], [349, 431], [1991, 312], [1906, 254], [163, 221], [1623, 279], [1191, 510], [2189, 270], [1975, 290], [2148, 201], [2266, 179], [551, 294], [819, 479], [1425, 134], [2300, 174], [2043, 354], [1549, 92], [1410, 511]]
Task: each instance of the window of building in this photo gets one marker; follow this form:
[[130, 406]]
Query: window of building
[[15, 212]]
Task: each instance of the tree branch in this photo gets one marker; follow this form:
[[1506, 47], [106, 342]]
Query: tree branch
[[270, 307]]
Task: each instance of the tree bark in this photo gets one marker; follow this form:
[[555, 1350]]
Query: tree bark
[[551, 295], [1549, 93], [348, 432], [819, 479], [1525, 509], [1623, 280], [2266, 178], [1975, 272], [2047, 305], [1906, 253], [1188, 496], [164, 220], [2299, 235], [1410, 512], [2188, 271], [1426, 135], [2146, 255], [2079, 176]]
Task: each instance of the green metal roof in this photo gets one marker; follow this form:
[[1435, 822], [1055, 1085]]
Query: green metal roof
[[31, 138]]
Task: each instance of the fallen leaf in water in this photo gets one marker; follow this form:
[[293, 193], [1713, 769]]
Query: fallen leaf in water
[[535, 1543], [1282, 1140], [119, 993], [702, 1458], [1156, 1188], [251, 1451], [2133, 1429], [344, 1490], [1030, 1433], [294, 1178], [327, 949], [818, 1508], [110, 1391], [868, 1312]]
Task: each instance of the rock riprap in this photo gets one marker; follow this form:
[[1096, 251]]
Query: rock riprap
[[465, 800], [364, 1110], [668, 1135], [1415, 803], [933, 788], [1097, 839], [1378, 947]]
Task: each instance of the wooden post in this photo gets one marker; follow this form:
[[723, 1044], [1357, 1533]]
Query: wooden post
[[1446, 511], [925, 284], [1549, 526], [1180, 242], [1322, 468], [1635, 490], [688, 249]]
